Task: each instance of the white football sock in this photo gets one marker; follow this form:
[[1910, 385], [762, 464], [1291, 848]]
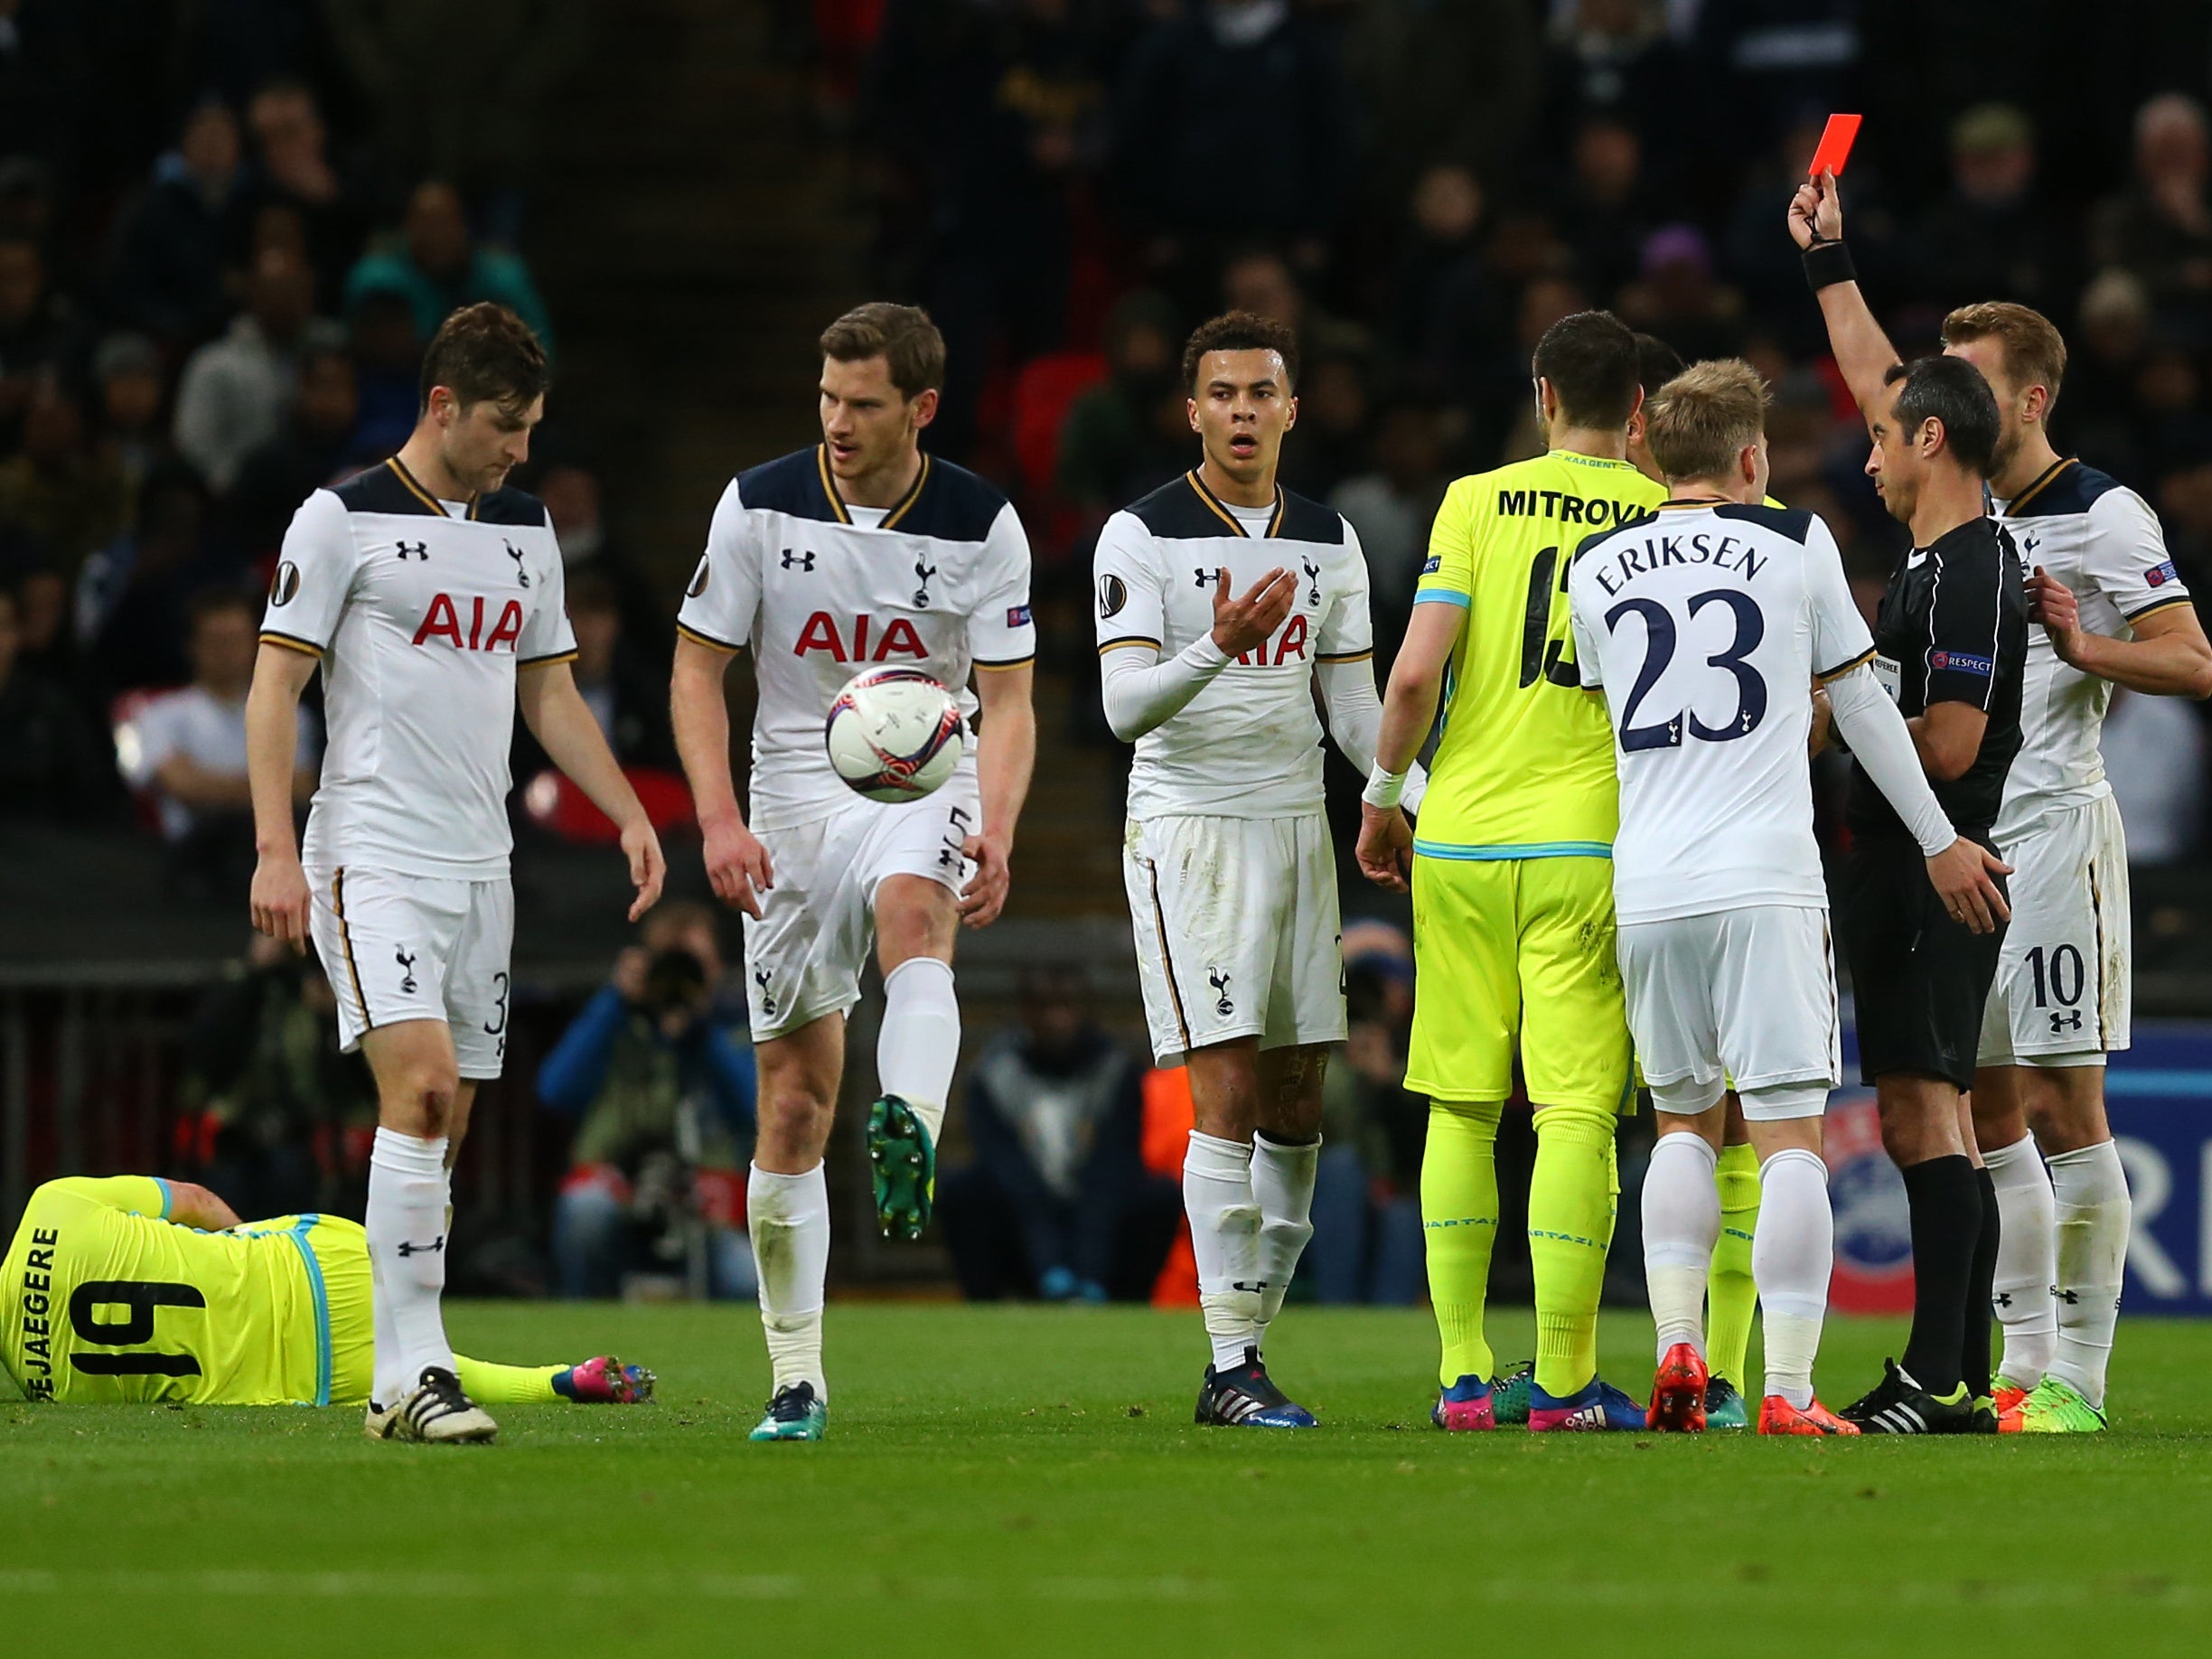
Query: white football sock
[[1681, 1223], [919, 1042], [1282, 1185], [2090, 1188], [1224, 1223], [2026, 1261], [788, 1217], [1793, 1254], [408, 1190], [390, 1387]]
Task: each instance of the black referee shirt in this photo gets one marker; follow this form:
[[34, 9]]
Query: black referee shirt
[[1954, 629]]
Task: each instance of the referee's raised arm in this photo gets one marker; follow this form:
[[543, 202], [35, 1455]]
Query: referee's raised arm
[[1863, 351]]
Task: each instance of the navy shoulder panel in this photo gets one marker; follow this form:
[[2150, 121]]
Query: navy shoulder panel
[[792, 485], [2071, 490], [1796, 523], [510, 507], [1177, 512], [381, 489], [1310, 521], [954, 505], [1597, 538]]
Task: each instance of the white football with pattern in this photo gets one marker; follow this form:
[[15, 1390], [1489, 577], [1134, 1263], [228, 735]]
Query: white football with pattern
[[894, 734]]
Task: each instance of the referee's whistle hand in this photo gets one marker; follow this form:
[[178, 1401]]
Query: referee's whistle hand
[[1965, 875]]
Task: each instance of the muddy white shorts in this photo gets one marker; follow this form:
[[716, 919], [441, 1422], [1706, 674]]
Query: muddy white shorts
[[400, 947], [2064, 986]]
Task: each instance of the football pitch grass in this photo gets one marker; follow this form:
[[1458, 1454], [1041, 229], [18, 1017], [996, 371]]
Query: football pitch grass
[[1028, 1481]]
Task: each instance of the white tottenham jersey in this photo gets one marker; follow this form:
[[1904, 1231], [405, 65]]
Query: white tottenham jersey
[[420, 618], [939, 583], [2102, 540], [1707, 625], [1249, 745]]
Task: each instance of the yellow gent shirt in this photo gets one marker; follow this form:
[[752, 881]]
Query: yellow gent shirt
[[1525, 764], [103, 1299]]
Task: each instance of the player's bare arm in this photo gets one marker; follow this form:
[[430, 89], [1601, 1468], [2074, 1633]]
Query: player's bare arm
[[2169, 655], [565, 727], [1863, 351], [279, 897], [737, 865], [1409, 710], [1948, 737], [192, 1206], [1006, 756]]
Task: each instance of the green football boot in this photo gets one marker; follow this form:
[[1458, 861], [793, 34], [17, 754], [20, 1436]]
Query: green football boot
[[1509, 1395], [796, 1413], [1724, 1405], [904, 1163], [2058, 1408]]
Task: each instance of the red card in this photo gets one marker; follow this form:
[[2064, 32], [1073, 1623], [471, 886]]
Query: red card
[[1835, 146]]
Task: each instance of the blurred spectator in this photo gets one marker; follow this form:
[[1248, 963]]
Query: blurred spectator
[[1329, 444], [58, 491], [1444, 304], [2161, 228], [278, 1120], [293, 169], [1057, 1202], [1448, 83], [53, 766], [2154, 757], [185, 750], [571, 493], [127, 373], [45, 646], [1391, 507], [1187, 102], [660, 1082], [1991, 238], [388, 365], [235, 390], [1367, 1235], [1676, 297], [131, 596], [174, 245], [314, 447], [627, 695], [1611, 64], [438, 266], [40, 337], [2105, 350], [1606, 212], [1130, 432]]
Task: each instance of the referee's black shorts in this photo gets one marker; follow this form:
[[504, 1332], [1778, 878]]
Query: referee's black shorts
[[1918, 978]]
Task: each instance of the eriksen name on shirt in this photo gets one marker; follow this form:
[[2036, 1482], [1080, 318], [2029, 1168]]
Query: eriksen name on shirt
[[1658, 552]]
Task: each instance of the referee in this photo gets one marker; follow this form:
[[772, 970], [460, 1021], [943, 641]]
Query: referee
[[1951, 644]]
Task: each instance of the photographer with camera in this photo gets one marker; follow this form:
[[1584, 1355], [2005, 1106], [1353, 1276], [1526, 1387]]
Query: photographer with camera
[[660, 1082]]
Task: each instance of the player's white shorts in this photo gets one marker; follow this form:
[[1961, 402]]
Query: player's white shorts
[[804, 957], [1237, 930], [416, 947], [1742, 996], [2064, 984]]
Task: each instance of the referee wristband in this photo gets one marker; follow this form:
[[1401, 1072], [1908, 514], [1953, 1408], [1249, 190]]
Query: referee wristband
[[1383, 789], [1828, 263]]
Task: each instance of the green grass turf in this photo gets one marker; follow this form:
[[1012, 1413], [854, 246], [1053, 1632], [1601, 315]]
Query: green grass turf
[[1027, 1480]]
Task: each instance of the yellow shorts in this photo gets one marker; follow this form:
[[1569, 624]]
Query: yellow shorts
[[1517, 955], [342, 1254]]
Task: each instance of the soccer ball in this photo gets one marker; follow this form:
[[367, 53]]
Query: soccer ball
[[894, 734]]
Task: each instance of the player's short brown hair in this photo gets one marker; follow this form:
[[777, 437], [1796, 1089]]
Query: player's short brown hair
[[1239, 331], [902, 335], [484, 351], [2035, 352], [1590, 358], [1705, 416]]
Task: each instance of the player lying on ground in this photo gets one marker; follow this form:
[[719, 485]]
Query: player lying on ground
[[428, 594], [133, 1289], [2114, 612], [1232, 880], [859, 552], [1705, 626]]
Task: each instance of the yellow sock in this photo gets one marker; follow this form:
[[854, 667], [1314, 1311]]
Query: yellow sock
[[1460, 1221], [489, 1384], [1570, 1225], [1730, 1293]]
